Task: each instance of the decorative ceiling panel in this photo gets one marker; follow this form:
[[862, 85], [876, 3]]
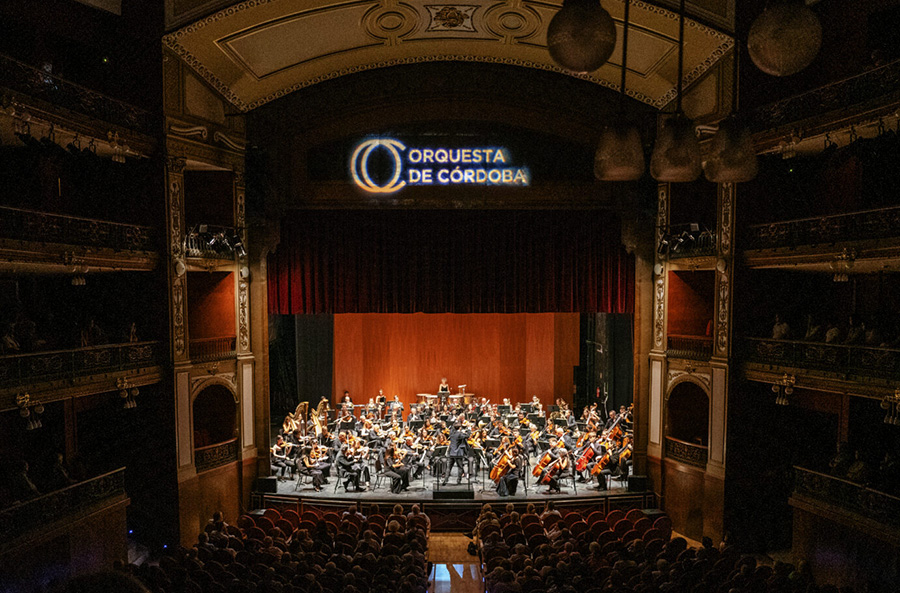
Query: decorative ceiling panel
[[260, 50]]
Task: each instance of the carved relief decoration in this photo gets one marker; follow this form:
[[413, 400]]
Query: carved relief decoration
[[726, 223], [660, 322], [242, 51], [677, 376], [244, 316], [178, 330], [201, 382], [189, 131], [723, 315]]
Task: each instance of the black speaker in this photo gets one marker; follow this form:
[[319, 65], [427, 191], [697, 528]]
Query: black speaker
[[268, 485], [453, 495], [637, 483]]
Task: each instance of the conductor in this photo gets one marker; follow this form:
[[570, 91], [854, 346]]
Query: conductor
[[458, 451]]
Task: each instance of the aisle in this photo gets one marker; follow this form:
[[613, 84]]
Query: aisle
[[454, 569]]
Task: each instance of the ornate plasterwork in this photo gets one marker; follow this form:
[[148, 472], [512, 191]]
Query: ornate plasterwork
[[244, 316], [660, 322], [201, 382], [178, 329], [230, 48], [689, 373], [723, 315], [726, 224]]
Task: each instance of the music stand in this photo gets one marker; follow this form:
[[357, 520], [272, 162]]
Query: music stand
[[486, 420], [332, 415], [491, 443], [503, 410], [560, 422], [347, 426], [527, 408], [415, 425], [439, 457], [551, 409], [524, 431]]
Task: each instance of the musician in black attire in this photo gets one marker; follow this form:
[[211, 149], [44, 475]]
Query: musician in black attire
[[458, 452], [394, 469], [556, 453], [349, 468], [509, 482]]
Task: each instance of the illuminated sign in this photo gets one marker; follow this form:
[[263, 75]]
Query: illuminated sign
[[435, 166]]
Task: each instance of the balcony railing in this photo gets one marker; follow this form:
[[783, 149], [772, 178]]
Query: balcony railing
[[213, 456], [41, 512], [685, 452], [871, 224], [19, 369], [208, 349], [702, 246], [690, 347], [27, 225], [843, 359], [39, 84], [211, 242], [869, 503]]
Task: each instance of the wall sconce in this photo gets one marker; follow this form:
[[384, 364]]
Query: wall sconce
[[30, 410], [783, 388], [891, 404], [127, 391]]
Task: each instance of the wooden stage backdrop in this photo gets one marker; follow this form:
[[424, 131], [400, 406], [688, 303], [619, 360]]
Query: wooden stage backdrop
[[496, 355]]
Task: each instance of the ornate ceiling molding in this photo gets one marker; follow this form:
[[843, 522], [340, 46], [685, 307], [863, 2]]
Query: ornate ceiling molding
[[257, 51]]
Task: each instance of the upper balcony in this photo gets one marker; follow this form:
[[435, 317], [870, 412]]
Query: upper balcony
[[861, 241], [75, 368], [852, 504], [52, 242], [854, 366], [91, 496], [46, 96]]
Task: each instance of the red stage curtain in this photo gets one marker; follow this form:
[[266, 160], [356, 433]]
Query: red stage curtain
[[450, 262]]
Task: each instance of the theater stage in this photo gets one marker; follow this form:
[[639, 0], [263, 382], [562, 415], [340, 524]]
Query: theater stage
[[452, 507]]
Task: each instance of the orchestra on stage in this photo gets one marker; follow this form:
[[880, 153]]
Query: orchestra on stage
[[449, 435]]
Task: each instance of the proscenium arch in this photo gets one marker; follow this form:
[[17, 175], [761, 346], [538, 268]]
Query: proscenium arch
[[258, 51]]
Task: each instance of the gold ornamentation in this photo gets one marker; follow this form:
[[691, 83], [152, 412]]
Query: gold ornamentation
[[244, 315], [451, 17]]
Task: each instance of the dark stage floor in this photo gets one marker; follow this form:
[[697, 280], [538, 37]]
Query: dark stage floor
[[425, 489]]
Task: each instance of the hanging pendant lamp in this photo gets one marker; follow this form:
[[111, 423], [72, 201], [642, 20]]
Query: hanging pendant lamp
[[785, 38], [581, 36], [676, 155], [620, 155], [732, 157]]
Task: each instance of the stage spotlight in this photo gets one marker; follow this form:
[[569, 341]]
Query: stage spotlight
[[238, 246]]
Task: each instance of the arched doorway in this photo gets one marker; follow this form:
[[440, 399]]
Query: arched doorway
[[215, 416]]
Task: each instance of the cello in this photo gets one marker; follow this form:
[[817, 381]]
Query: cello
[[585, 458], [557, 465], [501, 468]]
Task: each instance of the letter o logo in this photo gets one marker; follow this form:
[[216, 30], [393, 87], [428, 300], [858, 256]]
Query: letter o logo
[[359, 165]]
